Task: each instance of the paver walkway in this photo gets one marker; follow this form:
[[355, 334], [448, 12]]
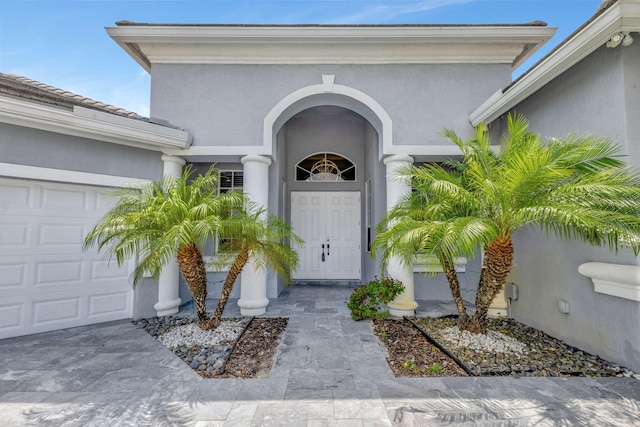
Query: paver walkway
[[330, 371]]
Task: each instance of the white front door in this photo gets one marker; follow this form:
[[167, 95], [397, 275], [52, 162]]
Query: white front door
[[329, 223]]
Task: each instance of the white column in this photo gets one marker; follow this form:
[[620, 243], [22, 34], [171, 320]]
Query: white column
[[404, 304], [253, 289], [168, 290]]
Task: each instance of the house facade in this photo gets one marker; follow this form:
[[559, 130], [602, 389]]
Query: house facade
[[313, 122], [317, 119]]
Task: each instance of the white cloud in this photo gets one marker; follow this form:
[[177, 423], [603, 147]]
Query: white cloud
[[382, 12]]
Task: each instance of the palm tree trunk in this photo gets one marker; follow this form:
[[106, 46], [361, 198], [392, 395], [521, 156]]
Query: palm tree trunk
[[236, 268], [498, 261], [194, 272], [454, 284]]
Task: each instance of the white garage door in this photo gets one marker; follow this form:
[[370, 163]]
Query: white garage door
[[47, 281]]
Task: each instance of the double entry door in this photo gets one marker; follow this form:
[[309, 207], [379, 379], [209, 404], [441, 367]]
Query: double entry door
[[329, 224]]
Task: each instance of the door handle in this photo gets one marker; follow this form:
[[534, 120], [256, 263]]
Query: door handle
[[323, 252], [328, 249]]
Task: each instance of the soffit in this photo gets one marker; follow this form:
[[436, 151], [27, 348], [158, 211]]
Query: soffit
[[328, 44]]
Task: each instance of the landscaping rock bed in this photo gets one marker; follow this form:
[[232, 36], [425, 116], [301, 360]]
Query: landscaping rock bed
[[238, 348], [204, 351], [511, 348], [256, 350], [410, 354]]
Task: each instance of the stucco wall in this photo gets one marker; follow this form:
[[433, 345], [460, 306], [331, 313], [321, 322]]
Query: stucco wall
[[631, 82], [589, 97], [33, 147], [226, 104], [599, 95]]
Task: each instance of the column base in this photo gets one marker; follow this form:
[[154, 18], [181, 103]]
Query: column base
[[167, 308], [402, 309], [253, 307]]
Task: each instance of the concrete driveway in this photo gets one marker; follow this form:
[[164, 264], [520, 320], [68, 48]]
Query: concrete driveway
[[330, 371]]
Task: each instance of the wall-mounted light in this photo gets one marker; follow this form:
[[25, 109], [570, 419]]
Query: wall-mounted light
[[620, 38]]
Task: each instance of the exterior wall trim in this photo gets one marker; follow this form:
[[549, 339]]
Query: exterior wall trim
[[622, 281], [11, 170], [329, 44], [372, 111], [92, 124]]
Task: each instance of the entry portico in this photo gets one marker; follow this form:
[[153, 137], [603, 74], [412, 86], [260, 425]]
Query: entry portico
[[259, 100]]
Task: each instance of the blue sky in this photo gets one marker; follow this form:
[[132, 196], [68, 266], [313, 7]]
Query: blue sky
[[63, 43]]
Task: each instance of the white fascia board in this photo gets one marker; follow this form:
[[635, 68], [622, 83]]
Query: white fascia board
[[430, 150], [38, 173], [623, 16], [310, 45], [96, 125], [196, 153], [424, 150], [161, 137]]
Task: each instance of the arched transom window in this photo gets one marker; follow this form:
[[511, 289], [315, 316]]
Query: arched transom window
[[323, 167]]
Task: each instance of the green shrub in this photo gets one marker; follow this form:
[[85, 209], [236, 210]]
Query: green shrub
[[365, 301], [435, 368]]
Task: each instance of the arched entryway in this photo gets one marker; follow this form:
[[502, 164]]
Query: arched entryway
[[329, 117], [334, 217], [328, 152]]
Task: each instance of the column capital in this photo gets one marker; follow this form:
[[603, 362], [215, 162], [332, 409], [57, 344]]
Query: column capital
[[256, 158], [167, 158], [395, 158]]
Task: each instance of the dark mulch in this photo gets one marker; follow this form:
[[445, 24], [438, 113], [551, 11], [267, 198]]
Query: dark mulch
[[256, 350], [410, 354]]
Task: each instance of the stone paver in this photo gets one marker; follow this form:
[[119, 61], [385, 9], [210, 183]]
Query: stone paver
[[330, 371]]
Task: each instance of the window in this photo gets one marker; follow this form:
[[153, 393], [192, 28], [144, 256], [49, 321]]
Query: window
[[325, 167], [230, 180]]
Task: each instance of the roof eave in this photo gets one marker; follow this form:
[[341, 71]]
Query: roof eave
[[619, 17], [149, 44], [92, 124]]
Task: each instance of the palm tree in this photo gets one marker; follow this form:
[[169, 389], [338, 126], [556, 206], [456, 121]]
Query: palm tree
[[267, 241], [573, 188], [408, 216], [172, 218]]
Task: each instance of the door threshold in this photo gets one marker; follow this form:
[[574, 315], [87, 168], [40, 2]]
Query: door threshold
[[328, 283]]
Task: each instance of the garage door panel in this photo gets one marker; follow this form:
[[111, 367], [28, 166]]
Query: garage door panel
[[64, 198], [48, 273], [56, 309], [47, 281], [12, 276], [60, 235], [105, 200], [11, 317], [13, 234], [15, 196], [105, 270], [108, 304]]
